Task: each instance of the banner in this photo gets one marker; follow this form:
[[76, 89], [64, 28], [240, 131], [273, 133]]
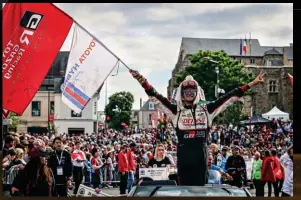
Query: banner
[[5, 113], [78, 155], [291, 79], [161, 173], [32, 37], [89, 64], [153, 120]]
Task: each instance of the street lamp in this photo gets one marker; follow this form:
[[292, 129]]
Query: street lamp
[[217, 74], [217, 81], [106, 96]]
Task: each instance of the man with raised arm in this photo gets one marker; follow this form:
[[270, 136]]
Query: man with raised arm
[[192, 121]]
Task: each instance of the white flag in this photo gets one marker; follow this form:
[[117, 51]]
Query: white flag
[[88, 66]]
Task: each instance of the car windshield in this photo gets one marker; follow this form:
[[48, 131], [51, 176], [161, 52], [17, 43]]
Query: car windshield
[[172, 191]]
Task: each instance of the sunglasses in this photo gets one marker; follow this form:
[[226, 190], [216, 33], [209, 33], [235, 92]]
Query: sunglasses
[[189, 91]]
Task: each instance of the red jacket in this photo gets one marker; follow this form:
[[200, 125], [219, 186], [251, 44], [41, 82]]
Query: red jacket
[[131, 160], [267, 172], [123, 164], [277, 170]]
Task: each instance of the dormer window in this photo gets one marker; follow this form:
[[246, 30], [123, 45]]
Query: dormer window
[[151, 106]]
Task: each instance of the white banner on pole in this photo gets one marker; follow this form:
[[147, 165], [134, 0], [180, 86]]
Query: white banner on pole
[[89, 64]]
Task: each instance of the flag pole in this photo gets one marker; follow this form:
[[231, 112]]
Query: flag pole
[[104, 46], [92, 36], [250, 45], [245, 49]]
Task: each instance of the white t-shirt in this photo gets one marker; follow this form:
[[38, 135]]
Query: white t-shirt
[[288, 175]]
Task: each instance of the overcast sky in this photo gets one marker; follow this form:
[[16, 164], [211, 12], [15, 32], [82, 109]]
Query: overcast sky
[[147, 37]]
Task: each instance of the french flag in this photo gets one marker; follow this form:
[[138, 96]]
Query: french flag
[[244, 47]]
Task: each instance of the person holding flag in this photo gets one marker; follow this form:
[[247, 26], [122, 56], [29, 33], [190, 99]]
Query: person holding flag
[[194, 116]]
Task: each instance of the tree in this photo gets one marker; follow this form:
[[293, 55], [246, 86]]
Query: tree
[[231, 73], [15, 121], [231, 115], [119, 109]]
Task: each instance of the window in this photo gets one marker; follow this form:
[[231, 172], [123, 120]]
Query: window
[[36, 108], [252, 61], [50, 88], [149, 119], [52, 107], [95, 107], [151, 106], [273, 86], [74, 114], [43, 88]]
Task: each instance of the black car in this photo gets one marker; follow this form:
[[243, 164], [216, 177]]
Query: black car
[[170, 189]]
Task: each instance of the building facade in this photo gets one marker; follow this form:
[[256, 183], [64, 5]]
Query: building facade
[[48, 110], [36, 115], [66, 121], [145, 114], [274, 60]]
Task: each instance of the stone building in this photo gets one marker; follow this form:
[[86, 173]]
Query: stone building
[[276, 61]]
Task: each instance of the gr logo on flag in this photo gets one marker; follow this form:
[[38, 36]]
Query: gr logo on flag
[[30, 20], [31, 39]]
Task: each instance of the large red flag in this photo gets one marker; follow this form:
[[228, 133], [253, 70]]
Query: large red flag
[[291, 78], [32, 36]]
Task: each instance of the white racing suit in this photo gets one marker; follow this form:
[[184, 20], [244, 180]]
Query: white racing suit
[[192, 126]]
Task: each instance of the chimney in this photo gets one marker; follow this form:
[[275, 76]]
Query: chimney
[[140, 103]]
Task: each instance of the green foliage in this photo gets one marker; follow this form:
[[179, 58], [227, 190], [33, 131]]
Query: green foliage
[[15, 121], [162, 124], [231, 115], [231, 72], [124, 101]]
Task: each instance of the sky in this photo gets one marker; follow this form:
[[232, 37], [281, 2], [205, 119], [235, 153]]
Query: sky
[[147, 36]]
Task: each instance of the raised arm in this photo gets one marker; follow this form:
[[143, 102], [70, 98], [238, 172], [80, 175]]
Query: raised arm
[[219, 105], [150, 91]]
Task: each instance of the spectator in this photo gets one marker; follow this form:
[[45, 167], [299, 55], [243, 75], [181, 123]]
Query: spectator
[[60, 163], [96, 166], [123, 168], [78, 165], [256, 175], [160, 159], [36, 179], [8, 143], [88, 170], [267, 173], [278, 172], [132, 165], [287, 162]]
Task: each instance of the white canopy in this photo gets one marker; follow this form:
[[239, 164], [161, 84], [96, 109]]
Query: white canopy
[[277, 114]]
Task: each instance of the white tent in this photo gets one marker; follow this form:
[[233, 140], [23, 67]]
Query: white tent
[[277, 114]]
